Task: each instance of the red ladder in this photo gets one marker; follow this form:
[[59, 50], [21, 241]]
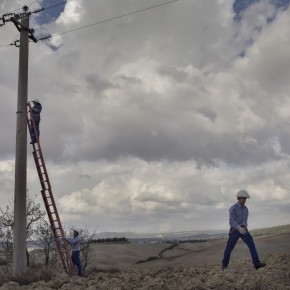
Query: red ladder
[[55, 223]]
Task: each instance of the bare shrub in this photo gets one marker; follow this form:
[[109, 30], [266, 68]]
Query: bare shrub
[[33, 214], [5, 272], [34, 274], [45, 239], [3, 261], [97, 269]]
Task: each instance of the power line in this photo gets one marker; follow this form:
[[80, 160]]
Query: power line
[[41, 9], [113, 18], [4, 45], [50, 7], [96, 23]]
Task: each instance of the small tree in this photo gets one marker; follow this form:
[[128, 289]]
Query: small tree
[[45, 238], [6, 228], [86, 247], [33, 215]]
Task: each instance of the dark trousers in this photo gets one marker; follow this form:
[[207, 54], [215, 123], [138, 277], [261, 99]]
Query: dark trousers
[[32, 132], [234, 235], [75, 256]]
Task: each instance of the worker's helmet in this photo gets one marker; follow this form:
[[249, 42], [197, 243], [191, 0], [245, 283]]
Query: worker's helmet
[[242, 193], [35, 101]]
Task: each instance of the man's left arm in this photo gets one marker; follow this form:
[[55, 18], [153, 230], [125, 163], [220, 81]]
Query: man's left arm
[[246, 220]]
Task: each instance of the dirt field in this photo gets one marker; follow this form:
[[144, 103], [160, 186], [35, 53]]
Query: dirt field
[[188, 254], [186, 266]]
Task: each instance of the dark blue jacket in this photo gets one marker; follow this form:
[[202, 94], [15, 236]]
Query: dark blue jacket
[[36, 110]]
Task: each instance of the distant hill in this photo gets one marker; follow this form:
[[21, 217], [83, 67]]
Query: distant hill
[[187, 235], [285, 229], [177, 236], [171, 236]]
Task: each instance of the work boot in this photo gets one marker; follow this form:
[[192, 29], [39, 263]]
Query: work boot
[[224, 267], [260, 265]]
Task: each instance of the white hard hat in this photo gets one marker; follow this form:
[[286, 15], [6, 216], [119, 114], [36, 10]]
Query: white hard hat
[[36, 101], [242, 193]]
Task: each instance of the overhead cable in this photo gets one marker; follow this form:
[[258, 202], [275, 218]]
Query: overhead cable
[[4, 45], [113, 18], [96, 23]]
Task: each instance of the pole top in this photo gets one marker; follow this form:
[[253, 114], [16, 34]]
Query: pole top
[[25, 8]]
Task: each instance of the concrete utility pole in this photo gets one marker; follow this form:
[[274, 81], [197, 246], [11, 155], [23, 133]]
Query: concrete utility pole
[[19, 246], [21, 21]]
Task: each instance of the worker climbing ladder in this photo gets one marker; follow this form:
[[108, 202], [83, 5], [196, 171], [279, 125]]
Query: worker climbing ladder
[[47, 196]]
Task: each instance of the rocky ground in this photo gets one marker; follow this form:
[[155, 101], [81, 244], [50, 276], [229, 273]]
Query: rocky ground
[[241, 275], [186, 266]]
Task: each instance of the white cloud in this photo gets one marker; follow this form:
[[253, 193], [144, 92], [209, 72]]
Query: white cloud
[[134, 193], [71, 13]]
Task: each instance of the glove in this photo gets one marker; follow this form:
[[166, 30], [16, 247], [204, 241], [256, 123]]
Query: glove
[[241, 230]]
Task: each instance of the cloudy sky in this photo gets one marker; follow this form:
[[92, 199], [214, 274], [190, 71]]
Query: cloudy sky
[[153, 121]]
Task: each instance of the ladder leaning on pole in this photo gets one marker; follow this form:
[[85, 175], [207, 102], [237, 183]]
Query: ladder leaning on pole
[[55, 223]]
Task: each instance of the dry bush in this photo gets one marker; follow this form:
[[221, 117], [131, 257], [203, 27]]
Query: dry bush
[[32, 274], [95, 269], [39, 256], [4, 274], [3, 261]]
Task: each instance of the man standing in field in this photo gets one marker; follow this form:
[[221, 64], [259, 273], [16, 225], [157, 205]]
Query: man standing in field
[[75, 244], [239, 221]]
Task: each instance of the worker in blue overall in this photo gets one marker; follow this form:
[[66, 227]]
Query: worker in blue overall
[[36, 110], [239, 229]]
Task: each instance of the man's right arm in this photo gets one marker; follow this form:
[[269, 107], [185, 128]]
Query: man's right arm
[[74, 240]]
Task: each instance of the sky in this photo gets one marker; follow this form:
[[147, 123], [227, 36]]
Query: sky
[[152, 122]]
